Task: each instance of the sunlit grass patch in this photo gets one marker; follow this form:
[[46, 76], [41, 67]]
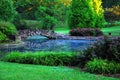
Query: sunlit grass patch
[[13, 71]]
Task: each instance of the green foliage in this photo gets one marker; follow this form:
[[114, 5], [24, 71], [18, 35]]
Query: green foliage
[[102, 66], [26, 8], [48, 12], [30, 24], [43, 58], [17, 22], [2, 37], [107, 49], [49, 22], [99, 12], [86, 13], [7, 28], [80, 15], [7, 10], [46, 15]]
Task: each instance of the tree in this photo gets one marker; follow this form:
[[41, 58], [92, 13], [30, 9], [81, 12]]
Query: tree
[[7, 10], [81, 14], [7, 14], [86, 13], [46, 14], [26, 8], [51, 11], [99, 12]]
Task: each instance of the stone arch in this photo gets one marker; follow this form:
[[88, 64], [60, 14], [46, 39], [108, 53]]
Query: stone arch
[[23, 34]]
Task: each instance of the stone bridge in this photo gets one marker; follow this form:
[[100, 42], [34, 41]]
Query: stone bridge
[[23, 34]]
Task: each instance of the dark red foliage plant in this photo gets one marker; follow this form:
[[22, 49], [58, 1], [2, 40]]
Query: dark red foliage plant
[[86, 32]]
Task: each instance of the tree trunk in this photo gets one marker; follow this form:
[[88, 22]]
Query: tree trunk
[[52, 28]]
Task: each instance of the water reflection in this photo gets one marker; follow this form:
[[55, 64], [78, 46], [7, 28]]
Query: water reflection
[[52, 45]]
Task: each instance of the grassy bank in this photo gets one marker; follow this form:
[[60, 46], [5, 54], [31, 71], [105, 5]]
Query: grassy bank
[[14, 71], [115, 30], [64, 30]]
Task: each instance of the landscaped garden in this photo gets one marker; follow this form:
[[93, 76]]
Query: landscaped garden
[[59, 40]]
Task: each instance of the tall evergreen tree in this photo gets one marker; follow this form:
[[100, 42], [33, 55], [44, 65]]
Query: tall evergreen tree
[[86, 13]]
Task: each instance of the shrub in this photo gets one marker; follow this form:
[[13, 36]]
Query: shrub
[[86, 13], [112, 14], [100, 66], [42, 58], [2, 37], [49, 22], [7, 10], [7, 28], [30, 24], [85, 32], [106, 49]]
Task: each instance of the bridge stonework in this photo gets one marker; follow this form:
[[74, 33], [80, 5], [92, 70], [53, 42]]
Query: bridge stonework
[[23, 34]]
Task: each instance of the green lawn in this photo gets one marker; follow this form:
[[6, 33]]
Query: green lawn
[[14, 71], [64, 30], [115, 30]]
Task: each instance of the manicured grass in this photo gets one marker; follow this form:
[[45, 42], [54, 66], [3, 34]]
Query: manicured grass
[[14, 71], [115, 30], [63, 30]]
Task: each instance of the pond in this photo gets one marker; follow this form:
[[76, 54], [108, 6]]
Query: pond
[[39, 43]]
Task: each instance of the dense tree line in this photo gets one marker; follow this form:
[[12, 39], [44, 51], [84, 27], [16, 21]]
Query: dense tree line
[[48, 12]]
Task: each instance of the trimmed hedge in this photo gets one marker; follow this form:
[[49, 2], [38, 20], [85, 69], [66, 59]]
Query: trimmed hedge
[[100, 66], [86, 32], [42, 58]]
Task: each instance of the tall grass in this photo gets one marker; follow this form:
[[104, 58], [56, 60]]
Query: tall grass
[[43, 58]]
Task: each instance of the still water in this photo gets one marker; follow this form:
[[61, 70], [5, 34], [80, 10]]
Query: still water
[[43, 44]]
